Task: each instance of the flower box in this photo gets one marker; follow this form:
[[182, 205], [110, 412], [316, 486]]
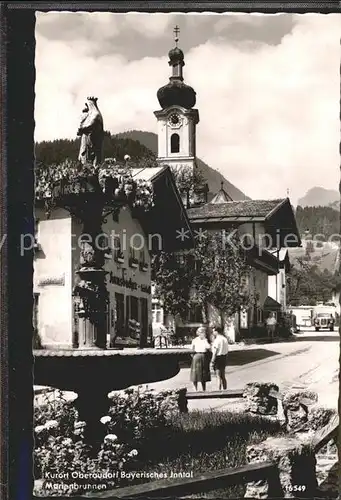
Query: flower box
[[144, 266], [133, 262], [69, 183], [120, 258]]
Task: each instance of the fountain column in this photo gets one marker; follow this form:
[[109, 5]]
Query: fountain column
[[90, 292]]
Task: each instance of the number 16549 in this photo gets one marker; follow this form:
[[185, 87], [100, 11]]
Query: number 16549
[[295, 487]]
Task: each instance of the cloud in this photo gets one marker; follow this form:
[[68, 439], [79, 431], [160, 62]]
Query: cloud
[[269, 112], [151, 26]]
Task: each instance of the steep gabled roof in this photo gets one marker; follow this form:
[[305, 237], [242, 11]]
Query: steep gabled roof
[[168, 218], [277, 217], [250, 209]]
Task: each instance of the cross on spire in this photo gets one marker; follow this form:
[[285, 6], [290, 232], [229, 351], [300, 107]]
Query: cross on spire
[[176, 32]]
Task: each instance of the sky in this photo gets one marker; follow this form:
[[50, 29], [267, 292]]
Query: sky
[[268, 87]]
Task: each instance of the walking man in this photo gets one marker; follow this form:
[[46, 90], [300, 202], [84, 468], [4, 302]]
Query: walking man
[[220, 347]]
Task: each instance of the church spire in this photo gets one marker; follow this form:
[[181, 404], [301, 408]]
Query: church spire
[[176, 92], [176, 58], [176, 32]]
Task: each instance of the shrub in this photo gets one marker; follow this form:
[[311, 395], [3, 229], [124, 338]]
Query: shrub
[[60, 454], [59, 449], [144, 432], [55, 407], [137, 415]]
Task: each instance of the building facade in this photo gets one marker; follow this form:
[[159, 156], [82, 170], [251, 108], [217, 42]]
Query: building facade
[[127, 265], [130, 239], [277, 285], [263, 227]]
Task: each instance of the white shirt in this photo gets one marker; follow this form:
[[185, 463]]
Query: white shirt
[[200, 345], [220, 345]]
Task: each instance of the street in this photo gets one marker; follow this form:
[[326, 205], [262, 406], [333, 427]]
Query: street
[[311, 361]]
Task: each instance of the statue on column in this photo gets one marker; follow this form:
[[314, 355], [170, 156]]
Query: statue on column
[[91, 132]]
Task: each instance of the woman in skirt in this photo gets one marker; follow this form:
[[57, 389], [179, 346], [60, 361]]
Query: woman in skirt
[[200, 369]]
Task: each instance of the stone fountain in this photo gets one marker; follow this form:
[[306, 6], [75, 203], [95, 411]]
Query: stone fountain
[[90, 369]]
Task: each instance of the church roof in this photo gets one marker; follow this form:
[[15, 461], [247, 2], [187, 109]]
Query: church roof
[[221, 196]]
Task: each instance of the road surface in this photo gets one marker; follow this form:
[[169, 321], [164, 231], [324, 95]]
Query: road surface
[[311, 361]]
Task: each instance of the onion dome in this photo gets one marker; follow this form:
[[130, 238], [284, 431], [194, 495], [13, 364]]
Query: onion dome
[[176, 55], [176, 92]]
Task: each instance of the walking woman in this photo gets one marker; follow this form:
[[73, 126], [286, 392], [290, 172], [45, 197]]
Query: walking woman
[[200, 369]]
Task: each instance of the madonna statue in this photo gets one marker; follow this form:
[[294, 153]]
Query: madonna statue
[[91, 132]]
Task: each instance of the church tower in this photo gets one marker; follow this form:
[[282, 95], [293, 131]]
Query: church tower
[[177, 118]]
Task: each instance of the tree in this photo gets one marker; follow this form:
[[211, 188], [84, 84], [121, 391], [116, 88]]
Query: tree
[[220, 273], [307, 285], [55, 152], [323, 221], [172, 281], [211, 273], [309, 248], [188, 179]]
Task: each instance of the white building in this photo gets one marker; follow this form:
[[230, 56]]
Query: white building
[[277, 284], [128, 265]]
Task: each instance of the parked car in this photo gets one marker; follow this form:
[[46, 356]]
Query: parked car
[[324, 321]]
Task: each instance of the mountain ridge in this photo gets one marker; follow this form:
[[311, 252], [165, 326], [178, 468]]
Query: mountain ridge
[[320, 197]]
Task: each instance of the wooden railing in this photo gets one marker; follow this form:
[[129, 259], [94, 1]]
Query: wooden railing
[[326, 434]]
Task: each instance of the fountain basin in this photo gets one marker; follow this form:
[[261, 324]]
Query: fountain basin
[[109, 369], [93, 373]]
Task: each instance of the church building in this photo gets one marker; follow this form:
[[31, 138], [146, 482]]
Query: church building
[[217, 210], [177, 119]]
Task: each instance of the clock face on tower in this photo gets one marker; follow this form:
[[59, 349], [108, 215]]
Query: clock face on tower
[[174, 120]]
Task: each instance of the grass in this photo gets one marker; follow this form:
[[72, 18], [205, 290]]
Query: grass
[[207, 441]]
